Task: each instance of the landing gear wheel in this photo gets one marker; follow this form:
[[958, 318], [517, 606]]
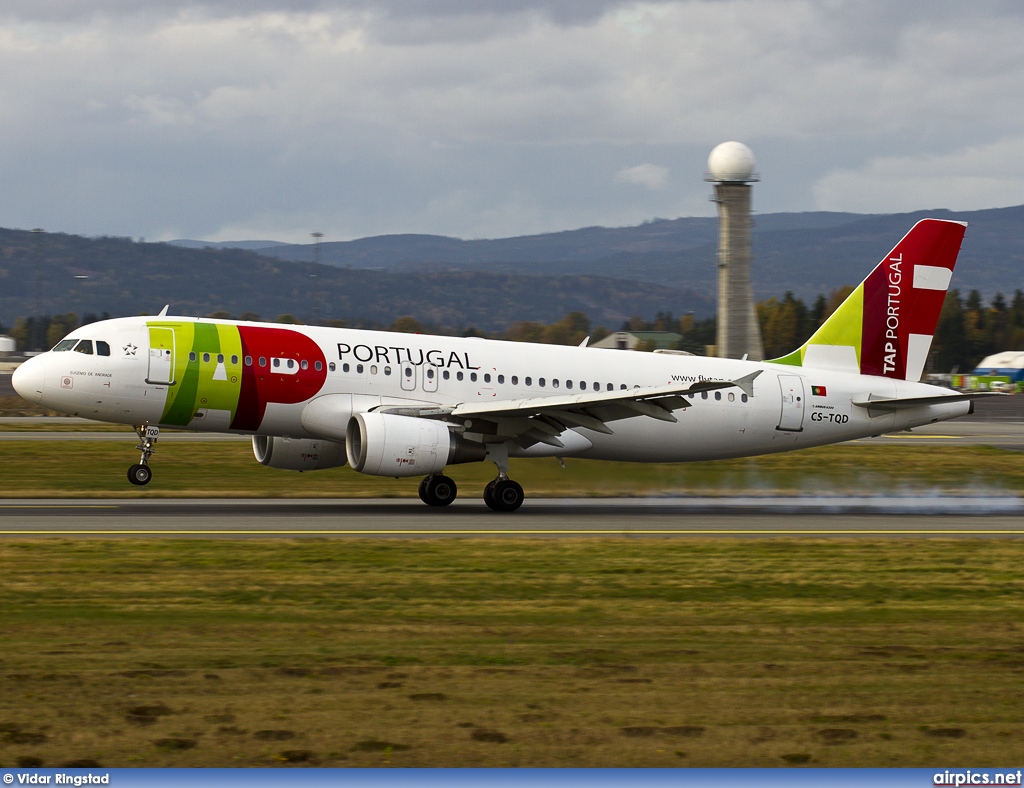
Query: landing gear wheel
[[140, 475], [438, 490], [489, 493], [506, 495]]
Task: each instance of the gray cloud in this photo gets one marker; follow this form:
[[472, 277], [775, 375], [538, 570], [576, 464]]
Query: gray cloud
[[489, 118]]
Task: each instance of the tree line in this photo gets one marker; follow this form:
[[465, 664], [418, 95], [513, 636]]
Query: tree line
[[968, 329]]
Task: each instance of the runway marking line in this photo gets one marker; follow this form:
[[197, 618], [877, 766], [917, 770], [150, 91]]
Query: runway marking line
[[59, 506], [514, 532]]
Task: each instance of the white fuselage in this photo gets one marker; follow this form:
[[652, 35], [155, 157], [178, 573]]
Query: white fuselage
[[791, 407]]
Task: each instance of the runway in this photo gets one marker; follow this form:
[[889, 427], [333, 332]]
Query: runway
[[1002, 434], [677, 517]]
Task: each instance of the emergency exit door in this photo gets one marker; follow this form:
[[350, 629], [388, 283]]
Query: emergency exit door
[[161, 356], [791, 419]]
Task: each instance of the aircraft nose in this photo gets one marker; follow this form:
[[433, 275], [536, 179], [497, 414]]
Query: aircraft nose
[[28, 379]]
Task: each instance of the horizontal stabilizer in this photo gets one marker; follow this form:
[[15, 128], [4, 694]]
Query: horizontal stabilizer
[[917, 402]]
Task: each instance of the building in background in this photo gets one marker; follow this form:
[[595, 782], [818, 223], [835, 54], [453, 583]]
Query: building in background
[[641, 340], [731, 169]]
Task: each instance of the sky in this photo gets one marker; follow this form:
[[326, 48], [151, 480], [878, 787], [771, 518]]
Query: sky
[[272, 119]]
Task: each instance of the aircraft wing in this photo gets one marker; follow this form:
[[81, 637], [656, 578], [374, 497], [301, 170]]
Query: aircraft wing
[[541, 419]]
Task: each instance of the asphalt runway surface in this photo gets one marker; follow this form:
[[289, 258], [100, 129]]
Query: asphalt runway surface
[[677, 517], [960, 432]]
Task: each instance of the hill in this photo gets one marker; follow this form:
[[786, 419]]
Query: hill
[[806, 253], [123, 277]]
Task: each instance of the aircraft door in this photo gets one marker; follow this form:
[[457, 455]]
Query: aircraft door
[[408, 373], [430, 374], [792, 417], [161, 356]]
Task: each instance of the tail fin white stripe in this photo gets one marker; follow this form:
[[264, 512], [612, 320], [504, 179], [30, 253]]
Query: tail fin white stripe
[[930, 277]]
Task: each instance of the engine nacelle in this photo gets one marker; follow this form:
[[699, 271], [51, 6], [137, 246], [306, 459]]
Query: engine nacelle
[[294, 454], [383, 444]]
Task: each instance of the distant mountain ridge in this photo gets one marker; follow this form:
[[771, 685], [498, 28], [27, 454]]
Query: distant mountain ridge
[[609, 273], [806, 253]]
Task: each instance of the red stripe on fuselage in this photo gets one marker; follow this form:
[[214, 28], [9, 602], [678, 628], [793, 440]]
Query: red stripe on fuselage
[[261, 385]]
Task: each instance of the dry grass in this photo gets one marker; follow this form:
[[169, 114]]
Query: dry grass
[[602, 652], [97, 469]]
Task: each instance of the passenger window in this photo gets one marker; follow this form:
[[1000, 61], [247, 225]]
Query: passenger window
[[64, 344], [263, 361], [732, 397], [318, 366], [234, 360], [206, 357], [472, 376], [597, 386], [718, 395], [277, 363], [540, 382], [703, 395], [554, 383], [430, 374], [446, 374], [568, 384], [501, 378], [459, 375], [332, 367], [583, 385], [102, 348], [304, 364], [487, 377], [344, 367], [248, 361], [611, 387], [743, 397], [387, 370], [529, 381], [192, 356], [373, 369], [220, 358], [85, 346], [291, 364], [622, 387], [359, 369], [515, 380]]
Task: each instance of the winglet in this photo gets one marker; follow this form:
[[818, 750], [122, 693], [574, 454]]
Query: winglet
[[163, 312], [584, 342]]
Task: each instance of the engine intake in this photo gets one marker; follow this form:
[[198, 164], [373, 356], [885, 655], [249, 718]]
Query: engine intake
[[383, 444], [294, 454]]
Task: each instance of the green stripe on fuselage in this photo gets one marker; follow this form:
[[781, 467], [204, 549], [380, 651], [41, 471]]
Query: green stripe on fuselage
[[203, 384]]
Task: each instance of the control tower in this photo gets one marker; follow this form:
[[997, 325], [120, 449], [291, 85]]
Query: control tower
[[731, 169]]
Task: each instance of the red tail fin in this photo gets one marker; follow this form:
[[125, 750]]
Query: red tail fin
[[903, 297]]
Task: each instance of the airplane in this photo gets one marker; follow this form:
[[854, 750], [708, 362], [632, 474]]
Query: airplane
[[400, 405]]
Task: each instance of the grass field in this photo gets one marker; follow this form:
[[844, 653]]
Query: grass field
[[97, 469], [603, 652]]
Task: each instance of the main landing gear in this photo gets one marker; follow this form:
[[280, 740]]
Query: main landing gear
[[140, 473], [502, 494], [438, 490]]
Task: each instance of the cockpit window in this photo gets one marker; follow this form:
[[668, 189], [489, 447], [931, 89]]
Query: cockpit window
[[64, 344], [102, 348], [84, 346]]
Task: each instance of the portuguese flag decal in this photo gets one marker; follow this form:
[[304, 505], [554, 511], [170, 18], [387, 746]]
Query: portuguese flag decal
[[818, 391]]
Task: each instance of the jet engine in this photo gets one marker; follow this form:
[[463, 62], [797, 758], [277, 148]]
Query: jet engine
[[383, 444], [293, 454]]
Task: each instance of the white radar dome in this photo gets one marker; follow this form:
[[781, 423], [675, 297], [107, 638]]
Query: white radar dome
[[732, 162]]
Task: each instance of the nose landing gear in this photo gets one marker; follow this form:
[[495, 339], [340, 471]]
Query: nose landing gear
[[140, 473]]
